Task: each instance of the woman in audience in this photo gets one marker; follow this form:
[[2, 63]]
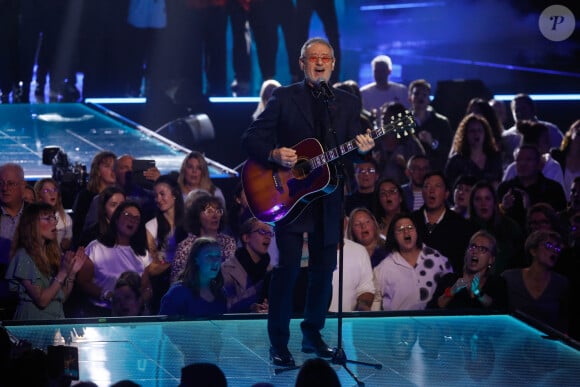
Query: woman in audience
[[122, 248], [484, 212], [245, 274], [391, 202], [194, 174], [537, 290], [205, 218], [127, 300], [474, 151], [198, 291], [36, 271], [363, 228], [477, 286], [164, 232], [406, 279], [238, 212], [109, 200], [484, 109], [461, 193], [29, 194], [541, 216], [47, 191], [101, 176], [568, 155]]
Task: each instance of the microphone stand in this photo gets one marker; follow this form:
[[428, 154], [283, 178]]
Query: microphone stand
[[339, 356]]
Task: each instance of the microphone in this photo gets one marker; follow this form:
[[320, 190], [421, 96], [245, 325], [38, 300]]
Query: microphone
[[326, 89]]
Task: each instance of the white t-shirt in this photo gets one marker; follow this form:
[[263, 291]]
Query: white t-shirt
[[374, 98], [357, 276], [403, 287], [111, 262]]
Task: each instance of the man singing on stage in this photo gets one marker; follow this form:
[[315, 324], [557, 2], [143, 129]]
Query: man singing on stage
[[310, 109]]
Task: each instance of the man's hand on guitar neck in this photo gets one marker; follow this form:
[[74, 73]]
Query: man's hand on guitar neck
[[364, 142], [283, 156]]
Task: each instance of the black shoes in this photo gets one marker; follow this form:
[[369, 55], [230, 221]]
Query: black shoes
[[281, 357], [316, 345]]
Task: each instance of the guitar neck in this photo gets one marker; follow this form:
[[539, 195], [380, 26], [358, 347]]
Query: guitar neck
[[349, 146]]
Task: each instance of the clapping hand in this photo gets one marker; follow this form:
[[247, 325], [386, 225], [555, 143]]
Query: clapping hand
[[475, 285], [459, 284], [74, 260]]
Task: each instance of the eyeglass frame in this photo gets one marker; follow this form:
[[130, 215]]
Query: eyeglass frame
[[313, 59], [479, 248], [210, 210], [263, 232]]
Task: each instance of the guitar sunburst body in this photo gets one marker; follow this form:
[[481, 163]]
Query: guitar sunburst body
[[278, 195]]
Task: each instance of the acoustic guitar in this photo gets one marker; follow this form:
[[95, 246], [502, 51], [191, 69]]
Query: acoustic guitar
[[278, 195]]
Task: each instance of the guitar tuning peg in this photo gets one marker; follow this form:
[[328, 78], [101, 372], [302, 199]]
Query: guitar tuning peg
[[398, 136]]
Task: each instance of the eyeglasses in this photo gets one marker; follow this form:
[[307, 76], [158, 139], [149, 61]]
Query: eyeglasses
[[389, 192], [402, 229], [264, 232], [478, 248], [555, 248], [49, 218], [365, 171], [128, 215], [8, 184], [46, 190], [315, 58], [209, 211]]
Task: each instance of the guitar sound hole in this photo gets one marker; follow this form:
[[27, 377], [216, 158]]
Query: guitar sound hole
[[301, 169]]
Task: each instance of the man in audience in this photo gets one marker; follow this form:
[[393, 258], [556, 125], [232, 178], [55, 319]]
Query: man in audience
[[11, 204], [433, 130], [523, 108], [381, 91], [366, 175], [529, 187], [417, 167], [438, 226]]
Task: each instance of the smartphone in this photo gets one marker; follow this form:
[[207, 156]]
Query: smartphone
[[137, 177], [63, 361]]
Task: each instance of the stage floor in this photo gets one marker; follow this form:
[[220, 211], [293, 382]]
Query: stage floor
[[474, 350], [82, 130]]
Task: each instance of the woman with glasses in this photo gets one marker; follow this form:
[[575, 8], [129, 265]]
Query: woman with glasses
[[391, 202], [245, 274], [407, 278], [485, 213], [538, 290], [122, 248], [39, 274], [47, 191], [197, 291], [477, 286], [204, 218]]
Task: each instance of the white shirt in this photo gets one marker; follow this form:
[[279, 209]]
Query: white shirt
[[111, 262], [357, 277], [402, 287], [64, 228], [374, 98]]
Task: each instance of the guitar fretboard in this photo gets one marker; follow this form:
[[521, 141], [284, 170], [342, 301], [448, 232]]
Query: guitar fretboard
[[401, 124]]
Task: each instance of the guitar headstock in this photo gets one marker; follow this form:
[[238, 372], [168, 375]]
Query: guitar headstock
[[402, 124]]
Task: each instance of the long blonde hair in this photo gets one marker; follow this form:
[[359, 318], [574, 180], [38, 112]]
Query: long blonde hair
[[44, 253], [93, 184], [205, 182]]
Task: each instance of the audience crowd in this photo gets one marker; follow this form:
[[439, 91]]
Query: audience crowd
[[473, 218]]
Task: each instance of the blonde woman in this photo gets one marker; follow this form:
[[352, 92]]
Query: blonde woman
[[194, 174], [36, 272], [47, 191]]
